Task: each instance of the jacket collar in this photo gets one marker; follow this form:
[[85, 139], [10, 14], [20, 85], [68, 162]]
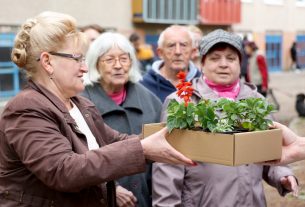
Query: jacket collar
[[192, 70], [49, 95], [202, 90], [55, 100], [82, 105], [107, 105]]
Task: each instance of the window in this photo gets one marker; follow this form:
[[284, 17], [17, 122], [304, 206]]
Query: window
[[274, 52], [170, 11], [301, 51], [9, 73]]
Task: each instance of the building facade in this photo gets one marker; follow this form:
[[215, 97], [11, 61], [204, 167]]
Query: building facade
[[273, 24]]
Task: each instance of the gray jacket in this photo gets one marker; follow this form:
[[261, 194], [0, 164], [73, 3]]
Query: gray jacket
[[209, 185], [139, 107]]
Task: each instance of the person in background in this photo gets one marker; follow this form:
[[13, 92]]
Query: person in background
[[293, 56], [300, 104], [197, 35], [244, 62], [144, 52], [211, 184], [55, 148], [92, 31], [124, 104], [175, 49], [257, 68]]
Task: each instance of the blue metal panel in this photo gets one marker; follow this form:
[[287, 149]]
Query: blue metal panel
[[8, 87], [153, 41], [274, 52], [301, 51]]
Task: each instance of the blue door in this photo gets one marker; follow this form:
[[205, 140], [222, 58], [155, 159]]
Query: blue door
[[9, 72], [274, 52], [301, 51]]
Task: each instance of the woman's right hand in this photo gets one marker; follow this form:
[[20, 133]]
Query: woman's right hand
[[156, 148]]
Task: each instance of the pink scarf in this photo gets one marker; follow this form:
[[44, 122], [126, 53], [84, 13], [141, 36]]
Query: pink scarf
[[118, 97], [227, 91]]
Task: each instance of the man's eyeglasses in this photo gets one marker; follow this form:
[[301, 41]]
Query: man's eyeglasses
[[77, 57], [124, 60]]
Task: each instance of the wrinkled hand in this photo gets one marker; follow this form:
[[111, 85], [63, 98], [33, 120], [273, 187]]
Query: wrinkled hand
[[125, 198], [156, 148], [290, 183]]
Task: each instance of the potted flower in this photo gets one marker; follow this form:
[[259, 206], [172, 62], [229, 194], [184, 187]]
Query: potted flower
[[223, 115], [223, 131]]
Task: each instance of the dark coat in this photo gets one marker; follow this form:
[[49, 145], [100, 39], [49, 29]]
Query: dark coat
[[139, 107], [44, 158]]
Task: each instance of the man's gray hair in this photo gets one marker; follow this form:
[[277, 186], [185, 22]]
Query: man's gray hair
[[172, 27]]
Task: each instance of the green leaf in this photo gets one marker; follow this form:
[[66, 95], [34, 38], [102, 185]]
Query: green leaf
[[220, 116]]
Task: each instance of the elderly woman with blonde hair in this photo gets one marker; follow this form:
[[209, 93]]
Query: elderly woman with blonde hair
[[123, 103], [55, 149]]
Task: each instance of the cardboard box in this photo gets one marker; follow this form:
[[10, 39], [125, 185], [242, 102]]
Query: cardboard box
[[227, 149]]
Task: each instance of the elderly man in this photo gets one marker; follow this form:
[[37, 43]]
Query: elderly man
[[175, 49]]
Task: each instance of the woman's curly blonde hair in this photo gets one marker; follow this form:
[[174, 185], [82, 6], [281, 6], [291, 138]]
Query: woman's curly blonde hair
[[46, 32]]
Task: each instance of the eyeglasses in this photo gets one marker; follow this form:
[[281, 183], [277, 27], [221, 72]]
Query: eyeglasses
[[124, 60], [77, 57]]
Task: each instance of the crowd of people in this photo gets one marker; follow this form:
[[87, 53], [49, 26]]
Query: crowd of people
[[72, 137]]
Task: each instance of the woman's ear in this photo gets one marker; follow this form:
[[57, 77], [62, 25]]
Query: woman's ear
[[45, 62]]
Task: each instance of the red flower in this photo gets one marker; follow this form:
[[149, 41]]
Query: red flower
[[181, 75], [184, 88]]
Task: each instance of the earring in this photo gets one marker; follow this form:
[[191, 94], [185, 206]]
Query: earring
[[51, 76]]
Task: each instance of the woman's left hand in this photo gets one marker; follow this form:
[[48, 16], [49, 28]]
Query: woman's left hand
[[125, 198], [290, 183]]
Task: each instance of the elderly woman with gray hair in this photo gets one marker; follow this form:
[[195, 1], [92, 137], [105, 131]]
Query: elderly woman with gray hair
[[123, 103]]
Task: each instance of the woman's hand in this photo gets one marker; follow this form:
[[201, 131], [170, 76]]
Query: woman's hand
[[290, 183], [125, 198], [156, 148]]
